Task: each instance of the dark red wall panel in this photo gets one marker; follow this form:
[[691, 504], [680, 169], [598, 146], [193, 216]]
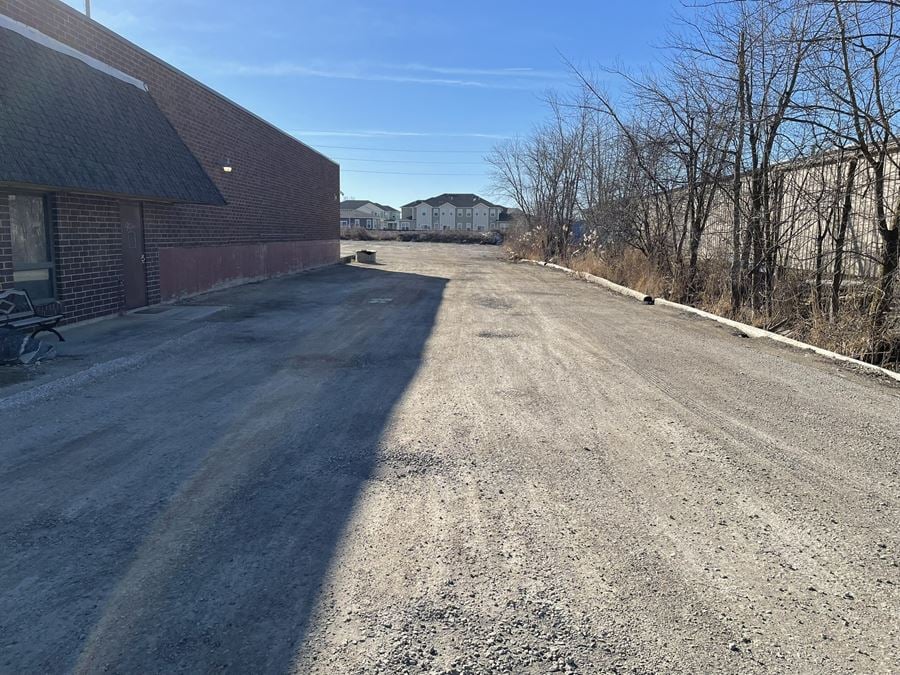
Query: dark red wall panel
[[185, 271]]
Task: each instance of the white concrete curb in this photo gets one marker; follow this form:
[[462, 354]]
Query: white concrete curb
[[747, 329], [590, 278]]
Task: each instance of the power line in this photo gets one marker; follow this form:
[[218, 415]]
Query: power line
[[409, 173], [399, 161], [355, 147]]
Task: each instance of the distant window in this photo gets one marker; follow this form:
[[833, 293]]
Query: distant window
[[435, 212], [468, 212], [31, 248]]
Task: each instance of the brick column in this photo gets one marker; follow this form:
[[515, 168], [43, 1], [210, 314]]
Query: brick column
[[6, 265]]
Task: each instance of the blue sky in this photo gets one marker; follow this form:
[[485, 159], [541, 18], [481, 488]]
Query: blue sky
[[397, 91]]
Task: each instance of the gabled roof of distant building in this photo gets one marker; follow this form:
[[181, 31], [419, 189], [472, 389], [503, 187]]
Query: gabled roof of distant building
[[356, 203], [459, 200], [69, 124]]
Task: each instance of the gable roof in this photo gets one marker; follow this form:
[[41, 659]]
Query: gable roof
[[356, 203], [353, 204], [459, 200], [69, 124]]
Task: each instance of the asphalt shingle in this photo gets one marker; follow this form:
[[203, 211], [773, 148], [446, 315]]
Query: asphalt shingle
[[69, 126], [466, 200]]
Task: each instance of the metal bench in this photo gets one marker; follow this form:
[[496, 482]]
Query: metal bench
[[19, 313]]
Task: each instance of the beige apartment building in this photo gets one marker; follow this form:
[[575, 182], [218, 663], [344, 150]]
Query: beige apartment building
[[452, 211], [369, 215]]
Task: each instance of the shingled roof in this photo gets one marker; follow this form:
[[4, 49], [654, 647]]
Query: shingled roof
[[352, 204], [356, 203], [460, 201], [68, 125]]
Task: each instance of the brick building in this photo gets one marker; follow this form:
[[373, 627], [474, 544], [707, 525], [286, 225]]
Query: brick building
[[124, 182]]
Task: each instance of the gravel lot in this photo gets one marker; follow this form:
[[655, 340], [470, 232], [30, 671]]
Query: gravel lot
[[447, 463]]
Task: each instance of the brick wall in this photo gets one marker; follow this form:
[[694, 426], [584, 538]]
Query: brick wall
[[88, 249], [6, 271], [279, 190]]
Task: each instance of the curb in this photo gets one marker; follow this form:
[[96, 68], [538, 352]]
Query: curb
[[751, 331], [590, 278]]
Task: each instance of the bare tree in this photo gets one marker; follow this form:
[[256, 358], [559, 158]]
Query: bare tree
[[542, 174], [862, 76]]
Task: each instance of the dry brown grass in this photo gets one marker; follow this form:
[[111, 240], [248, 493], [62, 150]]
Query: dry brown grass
[[630, 269], [851, 334]]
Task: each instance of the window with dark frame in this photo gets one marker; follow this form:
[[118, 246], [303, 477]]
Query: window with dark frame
[[32, 246]]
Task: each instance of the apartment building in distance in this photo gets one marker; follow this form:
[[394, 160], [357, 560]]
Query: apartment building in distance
[[452, 211], [370, 215]]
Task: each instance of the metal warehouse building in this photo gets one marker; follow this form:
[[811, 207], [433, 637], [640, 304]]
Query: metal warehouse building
[[124, 182]]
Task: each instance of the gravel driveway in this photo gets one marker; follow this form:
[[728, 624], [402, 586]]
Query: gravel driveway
[[447, 463]]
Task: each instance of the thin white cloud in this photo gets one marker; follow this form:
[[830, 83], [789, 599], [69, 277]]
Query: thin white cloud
[[479, 78], [376, 133], [522, 72], [283, 69]]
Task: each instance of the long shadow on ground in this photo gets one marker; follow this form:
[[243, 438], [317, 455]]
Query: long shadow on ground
[[182, 517]]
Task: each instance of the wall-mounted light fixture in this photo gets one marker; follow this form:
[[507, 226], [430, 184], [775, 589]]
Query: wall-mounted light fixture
[[227, 168]]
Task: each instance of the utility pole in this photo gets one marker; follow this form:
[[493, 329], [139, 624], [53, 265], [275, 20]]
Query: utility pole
[[87, 8]]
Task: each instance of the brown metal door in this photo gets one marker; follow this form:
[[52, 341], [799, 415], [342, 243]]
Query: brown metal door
[[133, 255]]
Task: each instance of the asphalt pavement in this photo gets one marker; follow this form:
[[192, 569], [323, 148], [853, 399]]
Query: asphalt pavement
[[444, 463]]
